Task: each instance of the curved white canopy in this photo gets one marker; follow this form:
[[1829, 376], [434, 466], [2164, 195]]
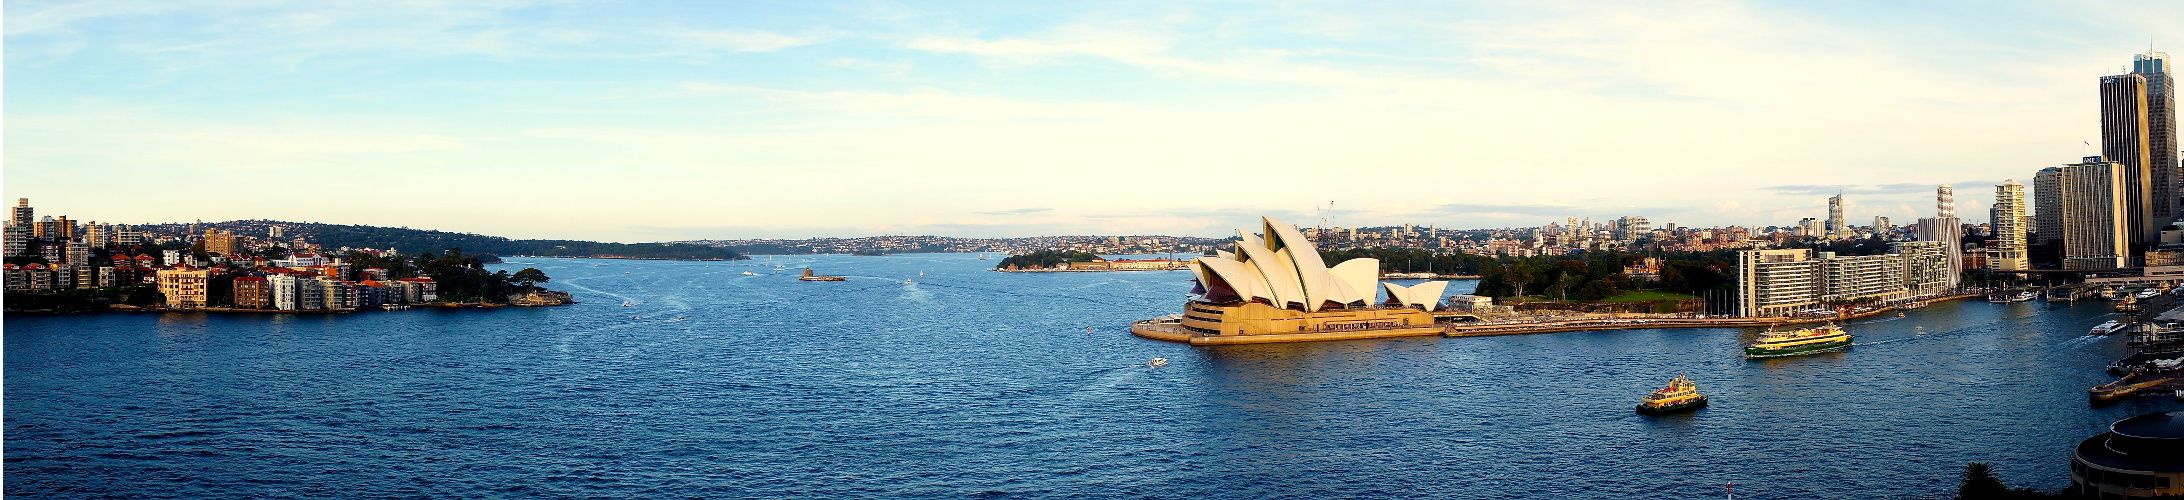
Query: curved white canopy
[[1286, 270]]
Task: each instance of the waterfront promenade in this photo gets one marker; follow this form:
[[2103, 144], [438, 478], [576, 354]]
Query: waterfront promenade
[[1536, 324]]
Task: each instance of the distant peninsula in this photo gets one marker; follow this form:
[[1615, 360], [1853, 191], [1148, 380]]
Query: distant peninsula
[[418, 241]]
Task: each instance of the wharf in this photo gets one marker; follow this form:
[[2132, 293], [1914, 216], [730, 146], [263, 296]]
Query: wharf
[[1603, 324]]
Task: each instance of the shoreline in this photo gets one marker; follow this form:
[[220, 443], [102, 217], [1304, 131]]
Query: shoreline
[[239, 310]]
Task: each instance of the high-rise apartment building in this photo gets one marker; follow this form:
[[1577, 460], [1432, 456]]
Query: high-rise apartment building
[[2085, 202], [1776, 282], [220, 242], [1945, 228], [1791, 281], [252, 292], [2009, 228], [17, 240], [2126, 140], [22, 214], [281, 289], [184, 288]]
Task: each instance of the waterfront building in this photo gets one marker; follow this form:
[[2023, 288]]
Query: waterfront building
[[1863, 277], [184, 287], [1838, 228], [1925, 266], [252, 292], [2009, 228], [1810, 228], [425, 290], [281, 287], [2085, 203], [1786, 282], [1277, 289], [340, 295], [2126, 139], [2139, 457], [1776, 282], [310, 294]]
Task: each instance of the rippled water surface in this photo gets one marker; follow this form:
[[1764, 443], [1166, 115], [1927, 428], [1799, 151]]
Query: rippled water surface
[[973, 383]]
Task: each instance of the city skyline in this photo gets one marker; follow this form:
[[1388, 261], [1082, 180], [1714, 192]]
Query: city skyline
[[644, 123]]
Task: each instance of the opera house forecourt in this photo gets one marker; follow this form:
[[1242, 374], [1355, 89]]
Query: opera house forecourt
[[1277, 289]]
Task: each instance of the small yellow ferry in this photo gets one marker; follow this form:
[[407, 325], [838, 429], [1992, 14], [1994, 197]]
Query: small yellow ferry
[[1798, 342], [1680, 395]]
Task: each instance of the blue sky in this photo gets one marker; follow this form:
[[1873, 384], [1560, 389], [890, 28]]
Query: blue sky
[[677, 120]]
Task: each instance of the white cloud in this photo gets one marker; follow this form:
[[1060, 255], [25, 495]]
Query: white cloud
[[745, 40]]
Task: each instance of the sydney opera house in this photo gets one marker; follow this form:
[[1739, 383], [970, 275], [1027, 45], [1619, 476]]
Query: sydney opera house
[[1277, 289]]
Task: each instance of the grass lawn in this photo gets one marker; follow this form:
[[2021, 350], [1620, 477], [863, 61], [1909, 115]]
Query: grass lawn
[[1647, 296]]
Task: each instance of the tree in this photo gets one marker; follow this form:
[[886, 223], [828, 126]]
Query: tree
[[529, 277], [1518, 276], [1980, 483]]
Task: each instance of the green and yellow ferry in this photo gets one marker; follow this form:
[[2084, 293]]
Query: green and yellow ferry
[[1680, 395], [1800, 342]]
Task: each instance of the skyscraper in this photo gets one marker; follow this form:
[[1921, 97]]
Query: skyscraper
[[1945, 201], [2086, 201], [2161, 134], [2009, 227], [1944, 228], [1837, 228], [2126, 140]]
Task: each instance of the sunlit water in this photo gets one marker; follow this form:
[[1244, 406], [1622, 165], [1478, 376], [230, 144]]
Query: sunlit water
[[972, 383]]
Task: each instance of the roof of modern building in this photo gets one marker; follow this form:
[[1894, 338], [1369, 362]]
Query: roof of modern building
[[2166, 425], [2145, 443]]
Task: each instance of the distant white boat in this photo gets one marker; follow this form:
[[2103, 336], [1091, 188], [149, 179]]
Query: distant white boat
[[1157, 362], [908, 281], [629, 302], [2107, 328], [748, 273]]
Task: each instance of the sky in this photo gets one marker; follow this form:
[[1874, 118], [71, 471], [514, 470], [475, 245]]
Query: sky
[[652, 121]]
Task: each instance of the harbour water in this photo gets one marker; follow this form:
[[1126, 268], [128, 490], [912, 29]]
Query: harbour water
[[965, 382]]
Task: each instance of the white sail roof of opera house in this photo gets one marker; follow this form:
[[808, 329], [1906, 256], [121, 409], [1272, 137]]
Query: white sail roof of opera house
[[1284, 269]]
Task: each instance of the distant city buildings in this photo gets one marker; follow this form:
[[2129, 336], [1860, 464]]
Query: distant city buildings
[[1838, 228]]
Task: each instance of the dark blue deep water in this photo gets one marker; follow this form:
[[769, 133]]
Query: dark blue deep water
[[972, 383]]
